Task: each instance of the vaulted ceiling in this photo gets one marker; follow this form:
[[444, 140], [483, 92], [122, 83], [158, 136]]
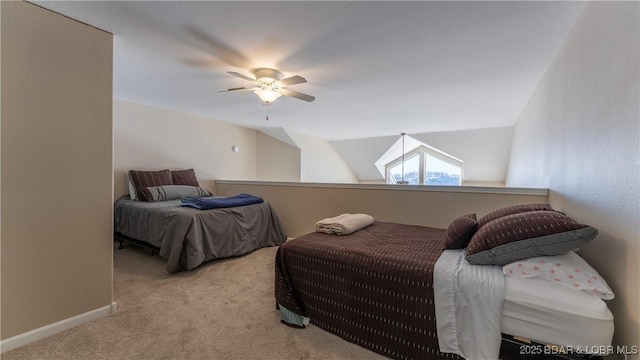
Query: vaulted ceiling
[[376, 68]]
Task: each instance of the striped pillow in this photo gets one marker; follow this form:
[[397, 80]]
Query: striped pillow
[[143, 179], [510, 210], [460, 231], [184, 177], [526, 235]]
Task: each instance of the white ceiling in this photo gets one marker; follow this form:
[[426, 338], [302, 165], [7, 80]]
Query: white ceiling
[[376, 68]]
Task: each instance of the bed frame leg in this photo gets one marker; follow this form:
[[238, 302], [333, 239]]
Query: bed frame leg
[[122, 239]]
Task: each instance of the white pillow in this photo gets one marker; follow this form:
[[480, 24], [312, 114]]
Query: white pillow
[[132, 190], [568, 269]]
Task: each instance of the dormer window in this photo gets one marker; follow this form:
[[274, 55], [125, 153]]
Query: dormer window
[[425, 166]]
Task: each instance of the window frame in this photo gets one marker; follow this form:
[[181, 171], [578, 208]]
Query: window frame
[[422, 151], [407, 156]]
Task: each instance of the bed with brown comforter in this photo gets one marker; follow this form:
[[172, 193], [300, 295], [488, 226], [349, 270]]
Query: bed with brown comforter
[[373, 287]]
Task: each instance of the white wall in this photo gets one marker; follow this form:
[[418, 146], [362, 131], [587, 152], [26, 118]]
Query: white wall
[[579, 136], [320, 162], [485, 152], [149, 138], [362, 154]]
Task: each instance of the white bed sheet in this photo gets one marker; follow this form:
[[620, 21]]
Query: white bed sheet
[[468, 327], [552, 314]]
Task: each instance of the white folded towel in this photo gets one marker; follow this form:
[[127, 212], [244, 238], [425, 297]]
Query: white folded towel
[[344, 224]]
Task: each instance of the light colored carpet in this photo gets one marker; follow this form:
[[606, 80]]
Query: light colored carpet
[[223, 310]]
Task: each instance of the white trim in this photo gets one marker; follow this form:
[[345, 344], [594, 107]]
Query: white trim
[[395, 187], [48, 330]]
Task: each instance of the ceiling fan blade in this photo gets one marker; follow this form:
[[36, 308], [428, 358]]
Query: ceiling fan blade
[[297, 95], [236, 89], [292, 80], [220, 49], [241, 76]]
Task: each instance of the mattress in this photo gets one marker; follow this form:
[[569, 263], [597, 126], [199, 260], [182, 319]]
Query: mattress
[[553, 314]]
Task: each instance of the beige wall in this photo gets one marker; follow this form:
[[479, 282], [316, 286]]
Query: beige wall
[[276, 160], [56, 168], [299, 206], [150, 138], [580, 136]]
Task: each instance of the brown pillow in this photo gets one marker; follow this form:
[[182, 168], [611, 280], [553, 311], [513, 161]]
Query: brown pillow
[[525, 235], [460, 231], [509, 210], [143, 179], [184, 177]]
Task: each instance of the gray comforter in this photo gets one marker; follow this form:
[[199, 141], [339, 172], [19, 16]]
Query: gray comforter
[[187, 237]]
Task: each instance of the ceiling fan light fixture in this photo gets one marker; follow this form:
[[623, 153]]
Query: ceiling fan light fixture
[[267, 94]]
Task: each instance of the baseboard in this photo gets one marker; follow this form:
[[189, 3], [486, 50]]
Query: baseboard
[[48, 330]]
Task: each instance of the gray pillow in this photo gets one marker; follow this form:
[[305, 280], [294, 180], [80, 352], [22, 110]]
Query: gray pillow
[[525, 235], [173, 192]]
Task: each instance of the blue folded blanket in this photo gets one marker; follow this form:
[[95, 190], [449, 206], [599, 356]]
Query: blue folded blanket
[[204, 203]]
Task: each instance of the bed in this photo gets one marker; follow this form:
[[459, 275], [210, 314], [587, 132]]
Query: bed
[[375, 287], [166, 219]]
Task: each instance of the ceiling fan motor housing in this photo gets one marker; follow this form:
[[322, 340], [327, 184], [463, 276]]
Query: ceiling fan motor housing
[[267, 75]]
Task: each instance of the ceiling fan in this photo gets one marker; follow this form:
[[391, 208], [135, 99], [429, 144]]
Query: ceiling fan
[[269, 87]]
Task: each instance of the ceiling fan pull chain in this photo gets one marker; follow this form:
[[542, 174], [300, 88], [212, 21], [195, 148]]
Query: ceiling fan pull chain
[[268, 110]]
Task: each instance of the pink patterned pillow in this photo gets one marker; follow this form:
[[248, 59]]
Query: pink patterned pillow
[[568, 269]]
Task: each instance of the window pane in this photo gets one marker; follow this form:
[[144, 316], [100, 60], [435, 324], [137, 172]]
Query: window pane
[[411, 171], [438, 172]]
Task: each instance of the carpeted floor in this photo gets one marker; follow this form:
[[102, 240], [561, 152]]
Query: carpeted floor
[[223, 310]]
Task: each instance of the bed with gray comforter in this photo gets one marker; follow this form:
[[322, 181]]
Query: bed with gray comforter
[[188, 237]]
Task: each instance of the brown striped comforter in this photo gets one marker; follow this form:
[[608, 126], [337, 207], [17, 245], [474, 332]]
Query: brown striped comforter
[[372, 287]]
